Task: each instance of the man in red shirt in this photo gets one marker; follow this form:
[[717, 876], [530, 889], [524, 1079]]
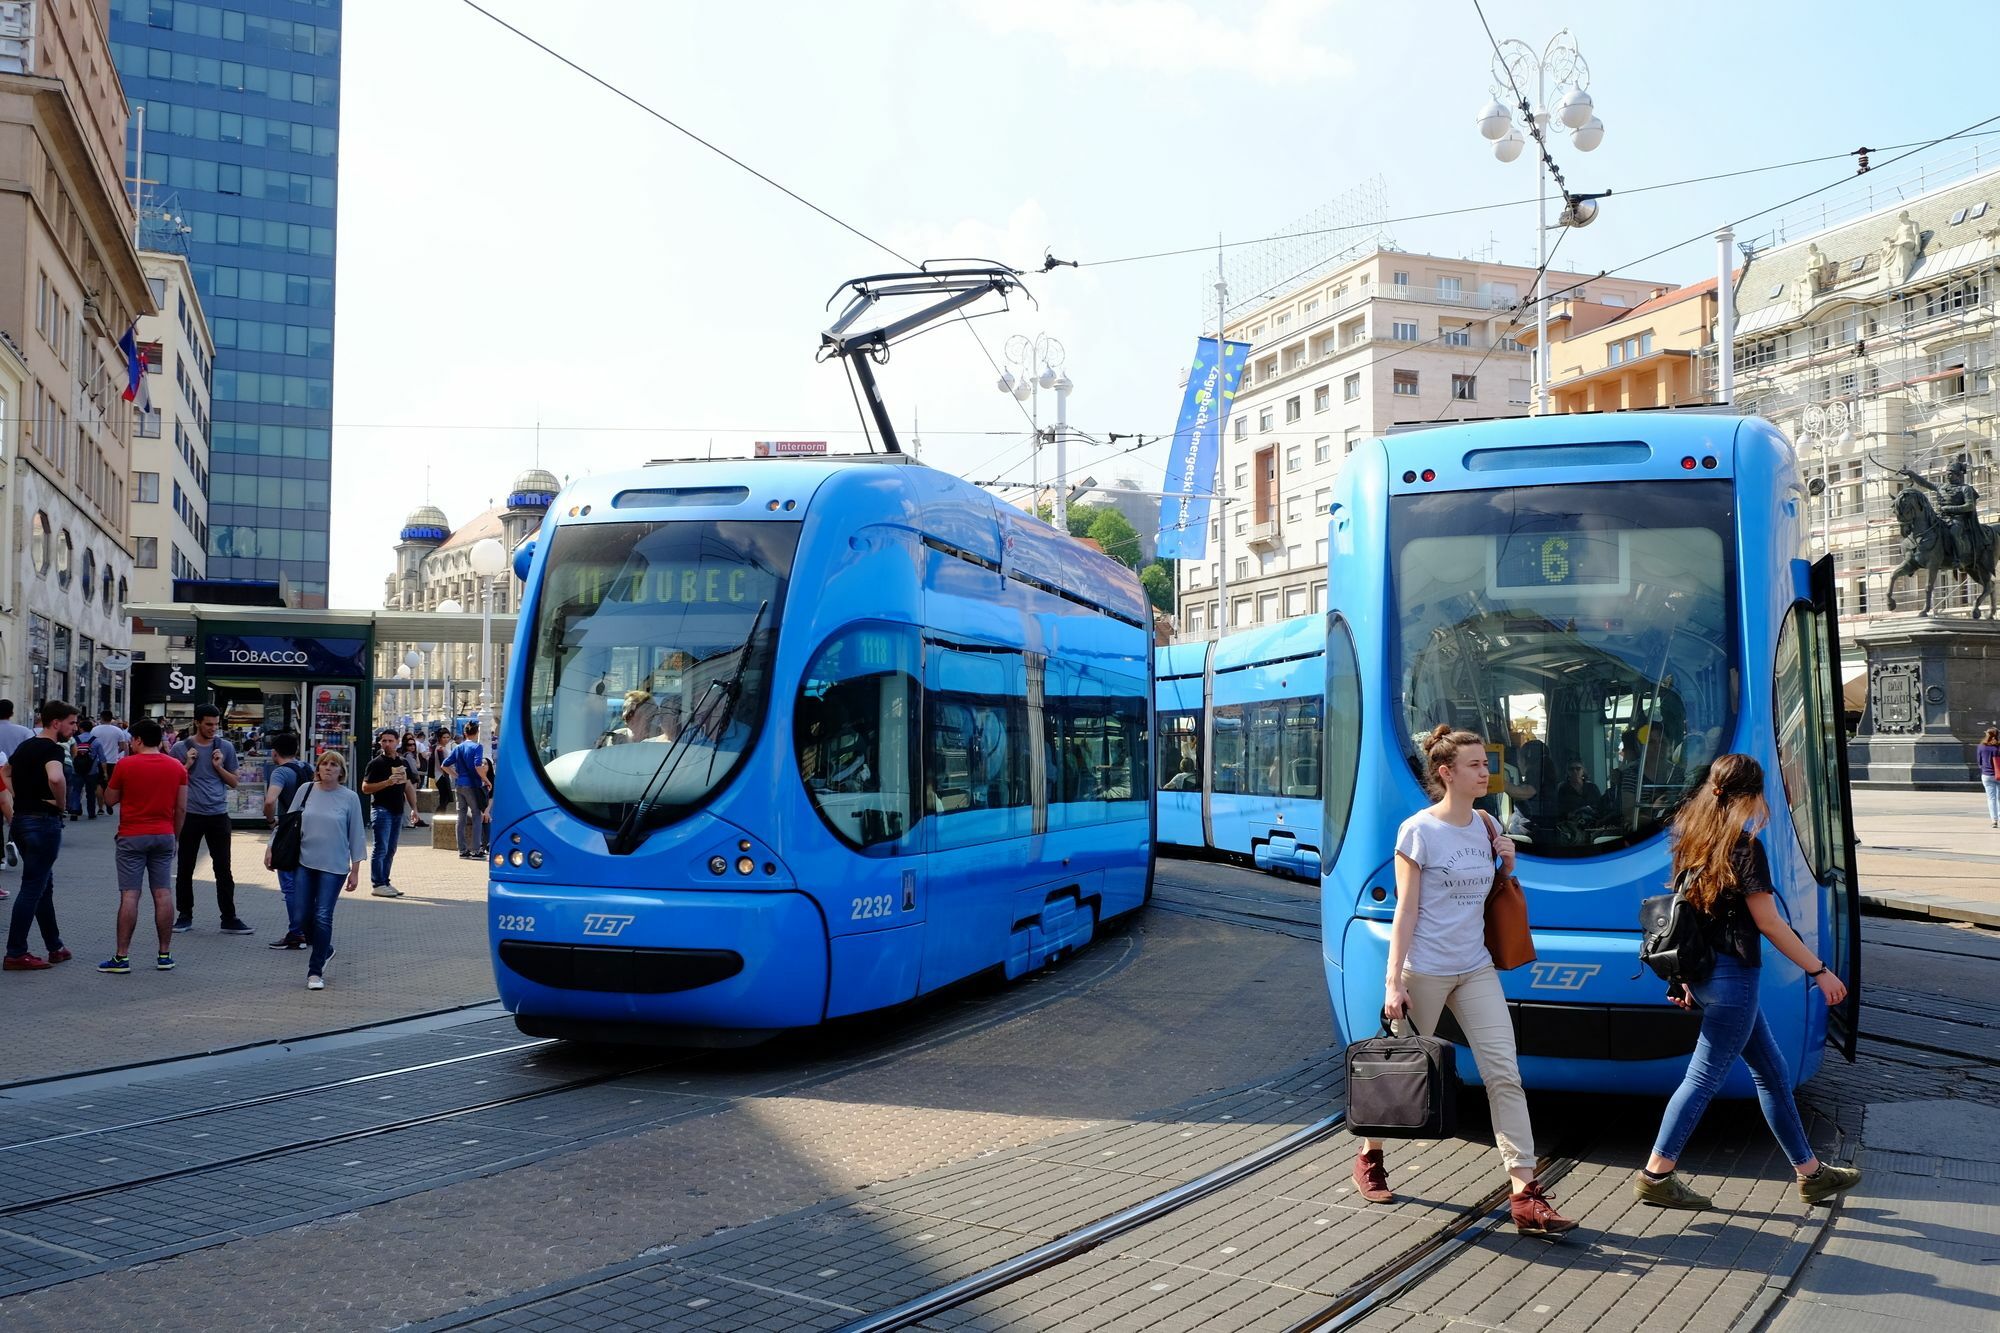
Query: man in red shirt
[[149, 790]]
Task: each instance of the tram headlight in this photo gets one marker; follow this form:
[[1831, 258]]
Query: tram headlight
[[718, 865], [534, 860], [744, 865], [514, 858]]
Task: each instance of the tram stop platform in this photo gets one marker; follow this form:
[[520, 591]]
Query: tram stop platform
[[1929, 853]]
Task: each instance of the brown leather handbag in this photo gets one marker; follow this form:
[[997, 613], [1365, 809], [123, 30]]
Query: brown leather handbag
[[1508, 938]]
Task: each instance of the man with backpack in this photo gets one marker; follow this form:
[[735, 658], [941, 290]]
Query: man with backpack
[[469, 786], [287, 776]]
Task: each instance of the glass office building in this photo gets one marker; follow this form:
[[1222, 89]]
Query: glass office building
[[242, 104]]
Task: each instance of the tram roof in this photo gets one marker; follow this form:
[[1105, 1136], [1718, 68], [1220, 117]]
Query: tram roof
[[386, 626], [1682, 427]]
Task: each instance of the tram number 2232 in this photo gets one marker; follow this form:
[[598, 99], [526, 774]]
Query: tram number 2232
[[873, 907]]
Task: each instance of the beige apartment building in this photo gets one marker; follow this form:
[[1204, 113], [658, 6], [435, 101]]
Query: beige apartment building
[[1872, 344], [1390, 338], [170, 477], [1618, 359], [70, 286]]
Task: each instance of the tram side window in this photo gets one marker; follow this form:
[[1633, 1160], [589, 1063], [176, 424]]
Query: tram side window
[[857, 707], [1343, 735], [1264, 740], [1095, 747], [1802, 761], [1227, 776], [976, 772], [1180, 751], [1300, 744]]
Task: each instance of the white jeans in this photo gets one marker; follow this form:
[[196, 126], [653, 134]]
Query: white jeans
[[1476, 1001]]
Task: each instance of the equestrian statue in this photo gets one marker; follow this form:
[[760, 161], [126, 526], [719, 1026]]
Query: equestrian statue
[[1944, 536]]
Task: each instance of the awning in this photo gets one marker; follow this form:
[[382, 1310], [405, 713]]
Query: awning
[[1854, 687]]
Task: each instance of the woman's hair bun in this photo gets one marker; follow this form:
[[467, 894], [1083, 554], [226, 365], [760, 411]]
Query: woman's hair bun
[[1438, 733]]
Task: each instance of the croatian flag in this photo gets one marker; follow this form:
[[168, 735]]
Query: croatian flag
[[135, 371]]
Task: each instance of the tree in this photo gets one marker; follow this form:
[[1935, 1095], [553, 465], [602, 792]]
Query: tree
[[1114, 532], [1158, 581]]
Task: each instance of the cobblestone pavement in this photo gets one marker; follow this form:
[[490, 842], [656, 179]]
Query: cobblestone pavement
[[1163, 1025], [422, 952]]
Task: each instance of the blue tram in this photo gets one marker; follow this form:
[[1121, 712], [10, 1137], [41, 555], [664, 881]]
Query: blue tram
[[1240, 724], [797, 739], [1610, 601]]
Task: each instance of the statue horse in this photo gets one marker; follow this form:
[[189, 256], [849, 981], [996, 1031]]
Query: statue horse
[[1927, 546]]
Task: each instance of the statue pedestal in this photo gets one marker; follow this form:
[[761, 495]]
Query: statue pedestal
[[1933, 689]]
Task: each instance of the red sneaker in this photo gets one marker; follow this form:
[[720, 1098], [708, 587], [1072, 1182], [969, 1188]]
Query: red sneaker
[[1371, 1178], [59, 954], [26, 962], [1534, 1216]]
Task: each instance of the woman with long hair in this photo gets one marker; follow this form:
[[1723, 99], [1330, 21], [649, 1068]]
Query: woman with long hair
[[1989, 772], [1721, 869], [1438, 960]]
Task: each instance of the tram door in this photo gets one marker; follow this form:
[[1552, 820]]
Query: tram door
[[1812, 755]]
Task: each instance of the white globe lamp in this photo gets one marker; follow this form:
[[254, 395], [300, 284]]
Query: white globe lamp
[[1587, 138], [1574, 109], [1495, 120]]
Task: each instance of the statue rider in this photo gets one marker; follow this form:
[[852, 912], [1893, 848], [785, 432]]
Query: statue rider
[[1958, 505]]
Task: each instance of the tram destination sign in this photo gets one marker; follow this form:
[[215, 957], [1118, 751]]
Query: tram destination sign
[[284, 655], [1576, 563]]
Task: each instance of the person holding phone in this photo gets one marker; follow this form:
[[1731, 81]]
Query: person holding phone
[[210, 761], [386, 782]]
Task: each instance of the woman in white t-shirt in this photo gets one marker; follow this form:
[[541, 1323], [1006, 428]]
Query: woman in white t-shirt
[[1438, 960]]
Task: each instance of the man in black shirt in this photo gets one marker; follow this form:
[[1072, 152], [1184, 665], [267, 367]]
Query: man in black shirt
[[387, 783], [35, 772]]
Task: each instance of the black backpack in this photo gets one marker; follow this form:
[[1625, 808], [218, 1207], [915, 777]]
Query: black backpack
[[288, 842], [1673, 938]]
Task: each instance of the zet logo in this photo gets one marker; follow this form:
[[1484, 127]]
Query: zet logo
[[601, 923], [1562, 976]]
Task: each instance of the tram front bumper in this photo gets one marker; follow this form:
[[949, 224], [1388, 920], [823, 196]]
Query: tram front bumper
[[660, 958]]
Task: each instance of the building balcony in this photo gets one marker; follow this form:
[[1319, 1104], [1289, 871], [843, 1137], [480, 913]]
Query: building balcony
[[1447, 296], [1265, 534]]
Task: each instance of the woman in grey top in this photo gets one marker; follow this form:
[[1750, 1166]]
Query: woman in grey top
[[333, 843]]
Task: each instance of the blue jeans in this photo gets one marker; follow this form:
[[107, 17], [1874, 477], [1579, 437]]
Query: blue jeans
[[39, 838], [388, 832], [1732, 1025], [321, 891], [1992, 786], [295, 902]]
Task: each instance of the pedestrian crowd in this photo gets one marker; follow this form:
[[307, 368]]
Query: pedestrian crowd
[[171, 798]]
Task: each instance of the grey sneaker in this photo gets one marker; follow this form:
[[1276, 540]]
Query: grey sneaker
[[1671, 1192], [386, 891], [1822, 1185]]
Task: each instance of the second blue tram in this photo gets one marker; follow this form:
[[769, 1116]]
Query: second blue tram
[[1610, 601], [800, 739], [1240, 724]]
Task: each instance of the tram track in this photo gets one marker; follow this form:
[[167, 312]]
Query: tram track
[[1355, 1300]]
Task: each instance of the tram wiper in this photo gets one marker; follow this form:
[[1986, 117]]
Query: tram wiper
[[625, 840]]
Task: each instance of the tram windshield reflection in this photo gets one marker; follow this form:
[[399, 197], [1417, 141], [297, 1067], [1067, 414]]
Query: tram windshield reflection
[[1587, 632], [648, 640]]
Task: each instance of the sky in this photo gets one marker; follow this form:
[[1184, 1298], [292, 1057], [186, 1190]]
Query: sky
[[532, 269]]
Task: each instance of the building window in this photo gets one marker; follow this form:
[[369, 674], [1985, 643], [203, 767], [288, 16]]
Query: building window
[[1242, 567], [1350, 388], [1292, 459], [1614, 355], [1292, 412], [1400, 278], [1319, 551], [1323, 449], [1403, 330], [1462, 387], [1242, 475], [1241, 520], [1321, 497], [1295, 602], [1322, 398], [1459, 337], [1353, 437], [1451, 289], [1243, 428], [38, 542], [1507, 342], [1292, 509], [1406, 383], [1267, 607], [146, 552], [146, 487]]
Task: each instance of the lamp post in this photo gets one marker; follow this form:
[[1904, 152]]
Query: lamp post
[[450, 607], [1516, 67], [430, 669], [489, 561], [1040, 359], [1830, 426], [411, 661]]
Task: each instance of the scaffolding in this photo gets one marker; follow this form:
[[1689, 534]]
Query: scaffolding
[[1345, 227]]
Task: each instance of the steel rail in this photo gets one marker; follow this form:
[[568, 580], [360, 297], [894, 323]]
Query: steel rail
[[264, 1099], [324, 1141], [1086, 1238]]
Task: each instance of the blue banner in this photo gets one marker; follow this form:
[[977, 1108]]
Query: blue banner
[[1191, 469]]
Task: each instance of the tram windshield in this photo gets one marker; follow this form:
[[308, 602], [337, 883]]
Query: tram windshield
[[652, 659], [1587, 632]]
